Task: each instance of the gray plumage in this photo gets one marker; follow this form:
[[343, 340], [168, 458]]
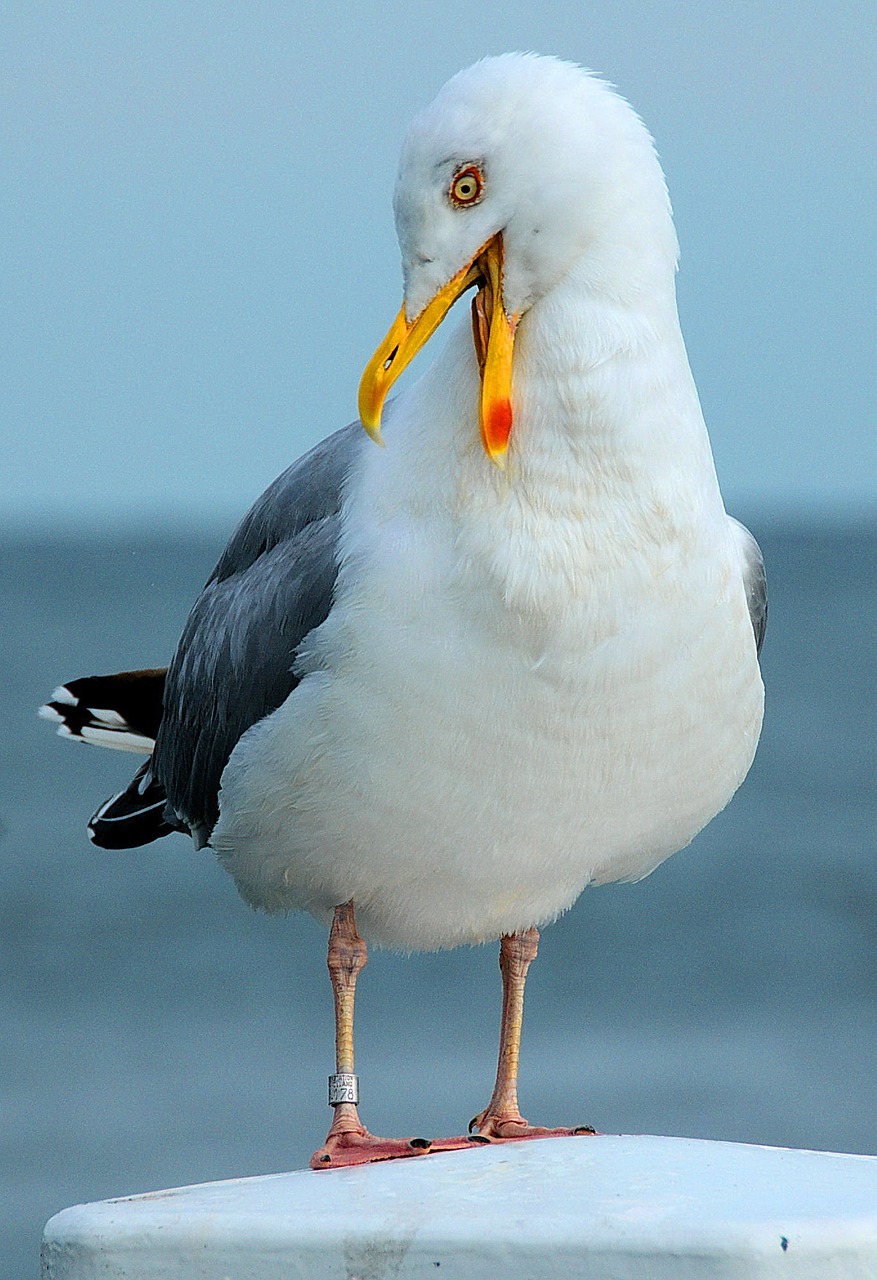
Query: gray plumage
[[233, 666], [755, 582]]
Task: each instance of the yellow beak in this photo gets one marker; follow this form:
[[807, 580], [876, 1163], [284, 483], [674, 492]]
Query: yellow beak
[[494, 341]]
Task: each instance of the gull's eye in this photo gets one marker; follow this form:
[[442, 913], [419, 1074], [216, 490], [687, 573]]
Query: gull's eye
[[467, 186]]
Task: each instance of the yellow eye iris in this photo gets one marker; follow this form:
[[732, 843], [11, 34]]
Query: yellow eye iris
[[467, 186]]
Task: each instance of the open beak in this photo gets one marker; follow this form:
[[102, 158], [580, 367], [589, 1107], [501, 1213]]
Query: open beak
[[494, 335]]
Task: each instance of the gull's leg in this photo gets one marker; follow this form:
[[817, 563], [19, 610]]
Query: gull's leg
[[501, 1118], [348, 1141]]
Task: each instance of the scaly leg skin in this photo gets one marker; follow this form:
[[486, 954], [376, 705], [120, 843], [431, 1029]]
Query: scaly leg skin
[[501, 1120], [348, 1141]]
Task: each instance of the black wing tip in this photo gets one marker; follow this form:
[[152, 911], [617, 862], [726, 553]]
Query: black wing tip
[[127, 833], [121, 711], [133, 817]]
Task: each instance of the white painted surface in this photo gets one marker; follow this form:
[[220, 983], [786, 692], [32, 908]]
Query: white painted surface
[[604, 1208]]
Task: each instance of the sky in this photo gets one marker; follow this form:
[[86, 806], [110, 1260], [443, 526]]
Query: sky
[[199, 255]]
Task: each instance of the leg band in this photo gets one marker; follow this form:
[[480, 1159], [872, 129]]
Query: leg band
[[343, 1087]]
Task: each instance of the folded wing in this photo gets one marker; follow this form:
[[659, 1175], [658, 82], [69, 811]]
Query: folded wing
[[234, 662]]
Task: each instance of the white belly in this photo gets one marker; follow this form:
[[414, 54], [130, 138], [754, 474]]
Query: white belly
[[462, 762]]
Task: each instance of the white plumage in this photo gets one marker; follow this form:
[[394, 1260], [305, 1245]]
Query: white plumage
[[534, 678]]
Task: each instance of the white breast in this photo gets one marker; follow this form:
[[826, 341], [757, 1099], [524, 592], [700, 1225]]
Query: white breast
[[523, 687]]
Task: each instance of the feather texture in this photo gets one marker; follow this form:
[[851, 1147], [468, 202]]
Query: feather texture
[[234, 663]]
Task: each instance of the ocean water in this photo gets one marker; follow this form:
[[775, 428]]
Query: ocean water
[[156, 1031]]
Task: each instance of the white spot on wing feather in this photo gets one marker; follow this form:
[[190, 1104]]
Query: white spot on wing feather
[[117, 739], [63, 695]]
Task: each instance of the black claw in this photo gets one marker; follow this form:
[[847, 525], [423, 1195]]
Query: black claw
[[325, 1159], [473, 1124], [584, 1128], [422, 1144], [479, 1137]]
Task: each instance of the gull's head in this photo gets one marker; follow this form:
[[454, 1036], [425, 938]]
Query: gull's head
[[522, 170]]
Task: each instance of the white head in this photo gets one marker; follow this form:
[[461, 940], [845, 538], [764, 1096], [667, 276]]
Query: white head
[[523, 170], [566, 163]]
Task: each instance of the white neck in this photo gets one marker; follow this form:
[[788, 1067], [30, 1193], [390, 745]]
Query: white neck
[[600, 386], [609, 466], [608, 435]]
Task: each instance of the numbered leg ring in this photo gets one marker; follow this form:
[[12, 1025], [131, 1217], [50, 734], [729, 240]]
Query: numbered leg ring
[[343, 1087]]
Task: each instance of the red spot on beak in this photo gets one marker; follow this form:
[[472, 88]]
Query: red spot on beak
[[498, 427]]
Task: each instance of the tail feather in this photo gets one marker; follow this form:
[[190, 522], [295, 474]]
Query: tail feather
[[122, 711]]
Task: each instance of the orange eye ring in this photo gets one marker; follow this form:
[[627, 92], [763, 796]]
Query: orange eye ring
[[467, 186]]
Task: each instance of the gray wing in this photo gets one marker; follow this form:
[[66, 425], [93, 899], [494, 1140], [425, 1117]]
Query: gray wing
[[754, 580], [233, 666]]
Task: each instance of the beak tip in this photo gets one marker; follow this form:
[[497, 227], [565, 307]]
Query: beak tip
[[496, 427], [373, 431]]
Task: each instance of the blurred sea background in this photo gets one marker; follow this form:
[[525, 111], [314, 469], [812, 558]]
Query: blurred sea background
[[198, 261]]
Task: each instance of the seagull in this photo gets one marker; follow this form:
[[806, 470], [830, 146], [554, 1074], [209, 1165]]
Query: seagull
[[433, 690]]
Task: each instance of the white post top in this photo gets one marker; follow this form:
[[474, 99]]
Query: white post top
[[584, 1208]]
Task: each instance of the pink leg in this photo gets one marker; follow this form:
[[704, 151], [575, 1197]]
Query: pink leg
[[348, 1141], [501, 1119]]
